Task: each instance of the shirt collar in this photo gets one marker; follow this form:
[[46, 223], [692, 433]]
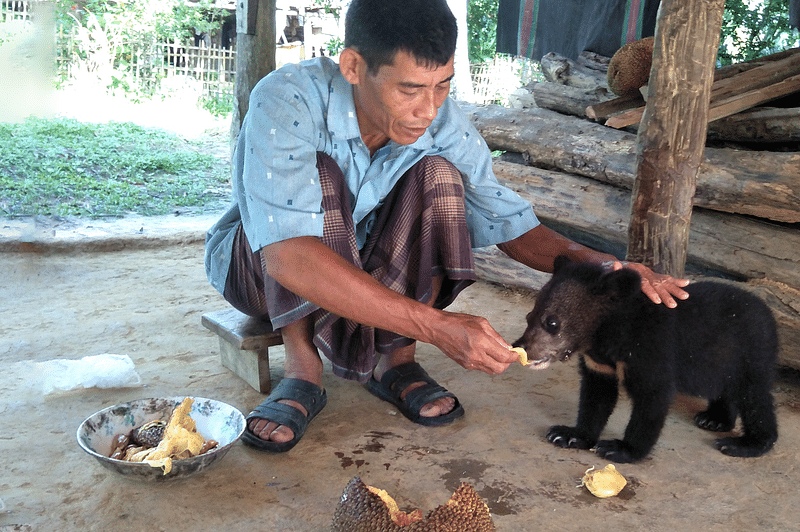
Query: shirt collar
[[343, 121], [342, 118]]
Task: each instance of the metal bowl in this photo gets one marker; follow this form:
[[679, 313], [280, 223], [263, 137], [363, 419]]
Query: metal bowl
[[214, 420]]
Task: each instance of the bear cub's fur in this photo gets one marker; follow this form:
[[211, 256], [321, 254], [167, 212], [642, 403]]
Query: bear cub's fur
[[720, 344]]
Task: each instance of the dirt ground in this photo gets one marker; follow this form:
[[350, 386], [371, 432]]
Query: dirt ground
[[91, 290]]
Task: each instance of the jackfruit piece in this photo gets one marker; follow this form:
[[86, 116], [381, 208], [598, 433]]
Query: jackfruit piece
[[361, 509], [606, 482], [523, 355], [629, 68], [180, 440]]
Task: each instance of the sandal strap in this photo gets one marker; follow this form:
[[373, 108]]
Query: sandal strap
[[312, 397], [398, 378]]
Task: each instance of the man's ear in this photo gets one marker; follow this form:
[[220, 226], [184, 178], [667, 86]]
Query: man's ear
[[351, 65]]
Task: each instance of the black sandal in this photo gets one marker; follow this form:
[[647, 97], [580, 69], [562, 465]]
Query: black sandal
[[312, 397], [397, 379]]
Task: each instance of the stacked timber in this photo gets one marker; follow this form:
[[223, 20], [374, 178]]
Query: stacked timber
[[578, 174]]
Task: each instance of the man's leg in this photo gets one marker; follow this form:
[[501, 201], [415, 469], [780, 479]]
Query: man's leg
[[406, 354], [302, 362]]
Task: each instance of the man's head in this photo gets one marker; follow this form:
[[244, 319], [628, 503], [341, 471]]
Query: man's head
[[378, 29]]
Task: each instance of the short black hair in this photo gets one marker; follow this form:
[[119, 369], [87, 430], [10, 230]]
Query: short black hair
[[378, 29]]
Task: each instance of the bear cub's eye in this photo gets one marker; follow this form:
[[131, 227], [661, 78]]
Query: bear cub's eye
[[551, 324]]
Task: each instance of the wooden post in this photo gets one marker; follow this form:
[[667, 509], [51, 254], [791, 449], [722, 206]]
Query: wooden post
[[255, 54], [672, 133]]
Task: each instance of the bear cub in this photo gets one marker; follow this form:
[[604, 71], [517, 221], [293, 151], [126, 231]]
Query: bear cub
[[720, 343]]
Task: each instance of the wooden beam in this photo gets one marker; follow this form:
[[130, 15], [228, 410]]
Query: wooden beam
[[672, 132]]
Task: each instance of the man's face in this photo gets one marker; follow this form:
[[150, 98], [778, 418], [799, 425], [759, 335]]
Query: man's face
[[400, 101]]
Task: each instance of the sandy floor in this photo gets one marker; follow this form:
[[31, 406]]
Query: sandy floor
[[146, 300]]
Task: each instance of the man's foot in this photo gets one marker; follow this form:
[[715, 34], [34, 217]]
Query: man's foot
[[416, 395], [436, 408], [280, 421]]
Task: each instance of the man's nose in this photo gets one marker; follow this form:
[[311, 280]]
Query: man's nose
[[427, 107]]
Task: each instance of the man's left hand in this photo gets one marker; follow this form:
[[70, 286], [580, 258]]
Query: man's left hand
[[658, 287]]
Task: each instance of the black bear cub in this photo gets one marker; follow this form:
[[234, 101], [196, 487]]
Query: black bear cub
[[720, 344]]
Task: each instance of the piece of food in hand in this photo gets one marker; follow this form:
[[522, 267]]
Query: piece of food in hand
[[523, 355], [606, 482]]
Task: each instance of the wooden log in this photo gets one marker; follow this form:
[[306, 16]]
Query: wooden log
[[762, 184], [672, 134], [566, 99], [562, 70], [739, 247], [761, 125]]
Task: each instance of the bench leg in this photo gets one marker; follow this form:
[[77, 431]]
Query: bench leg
[[251, 366]]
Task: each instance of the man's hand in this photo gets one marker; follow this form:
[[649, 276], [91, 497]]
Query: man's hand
[[472, 343], [658, 287]]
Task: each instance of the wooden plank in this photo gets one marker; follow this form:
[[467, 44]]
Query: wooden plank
[[241, 330], [770, 73], [748, 100], [602, 111]]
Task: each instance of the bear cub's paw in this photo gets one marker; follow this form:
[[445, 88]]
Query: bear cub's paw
[[743, 447], [568, 438], [714, 420], [618, 451]]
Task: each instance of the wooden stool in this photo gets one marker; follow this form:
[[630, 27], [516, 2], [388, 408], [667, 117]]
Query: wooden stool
[[244, 344]]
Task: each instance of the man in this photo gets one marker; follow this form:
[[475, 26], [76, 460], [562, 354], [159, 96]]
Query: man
[[360, 189]]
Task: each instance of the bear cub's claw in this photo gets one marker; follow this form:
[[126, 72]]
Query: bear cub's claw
[[743, 447], [708, 421], [618, 451], [568, 438]]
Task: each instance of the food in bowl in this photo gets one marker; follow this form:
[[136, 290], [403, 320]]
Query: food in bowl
[[213, 420], [158, 443]]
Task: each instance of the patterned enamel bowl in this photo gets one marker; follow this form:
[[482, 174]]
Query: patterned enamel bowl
[[214, 420]]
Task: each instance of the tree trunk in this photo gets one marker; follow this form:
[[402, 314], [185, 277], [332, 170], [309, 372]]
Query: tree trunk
[[672, 133], [255, 54]]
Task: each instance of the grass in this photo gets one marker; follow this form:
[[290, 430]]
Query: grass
[[66, 167]]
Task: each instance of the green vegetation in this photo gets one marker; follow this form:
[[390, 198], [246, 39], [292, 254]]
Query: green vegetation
[[752, 29], [482, 27], [65, 167]]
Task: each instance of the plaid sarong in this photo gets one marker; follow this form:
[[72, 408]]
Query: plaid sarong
[[420, 232]]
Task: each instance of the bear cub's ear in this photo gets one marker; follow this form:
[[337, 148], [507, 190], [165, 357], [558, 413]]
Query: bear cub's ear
[[621, 284]]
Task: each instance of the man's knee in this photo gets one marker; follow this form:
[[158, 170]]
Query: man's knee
[[441, 171]]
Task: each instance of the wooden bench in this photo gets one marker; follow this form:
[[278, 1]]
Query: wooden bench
[[244, 344]]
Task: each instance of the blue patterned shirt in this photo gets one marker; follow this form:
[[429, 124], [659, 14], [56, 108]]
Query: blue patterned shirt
[[304, 108]]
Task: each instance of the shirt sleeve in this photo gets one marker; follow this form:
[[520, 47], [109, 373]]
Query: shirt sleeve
[[276, 182], [495, 213]]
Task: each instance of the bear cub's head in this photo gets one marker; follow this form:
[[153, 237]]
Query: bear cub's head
[[570, 308]]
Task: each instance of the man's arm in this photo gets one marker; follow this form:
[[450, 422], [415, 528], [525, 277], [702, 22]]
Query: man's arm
[[539, 247], [310, 269]]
